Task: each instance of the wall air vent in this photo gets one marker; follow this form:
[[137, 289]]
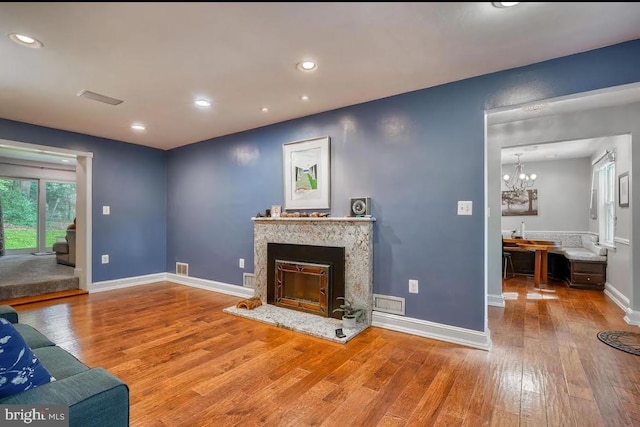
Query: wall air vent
[[182, 269], [100, 98], [249, 280], [388, 304]]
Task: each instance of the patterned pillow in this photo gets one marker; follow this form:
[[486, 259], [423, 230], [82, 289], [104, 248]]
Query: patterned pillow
[[20, 369]]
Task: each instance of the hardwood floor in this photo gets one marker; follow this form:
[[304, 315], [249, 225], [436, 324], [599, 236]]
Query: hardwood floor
[[189, 364]]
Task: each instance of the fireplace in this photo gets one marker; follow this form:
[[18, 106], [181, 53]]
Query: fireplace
[[351, 272], [305, 277]]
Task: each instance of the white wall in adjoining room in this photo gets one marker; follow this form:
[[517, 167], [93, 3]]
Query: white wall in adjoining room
[[563, 188], [592, 123], [621, 145], [619, 283]]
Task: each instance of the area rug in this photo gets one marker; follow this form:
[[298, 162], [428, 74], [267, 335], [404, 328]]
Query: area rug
[[622, 340]]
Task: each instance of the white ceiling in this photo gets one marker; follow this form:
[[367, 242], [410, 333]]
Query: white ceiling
[[561, 150], [552, 151], [158, 57]]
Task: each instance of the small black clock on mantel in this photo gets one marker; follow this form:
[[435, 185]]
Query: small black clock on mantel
[[360, 206]]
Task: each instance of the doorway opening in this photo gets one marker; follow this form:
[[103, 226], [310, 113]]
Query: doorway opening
[[67, 195], [592, 116]]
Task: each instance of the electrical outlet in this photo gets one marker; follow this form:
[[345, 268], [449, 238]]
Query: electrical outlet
[[105, 259], [413, 286], [241, 263], [106, 210]]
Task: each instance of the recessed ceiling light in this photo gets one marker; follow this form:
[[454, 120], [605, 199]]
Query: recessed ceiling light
[[202, 103], [26, 41], [304, 97], [264, 109], [66, 161], [306, 65], [138, 127], [502, 4]]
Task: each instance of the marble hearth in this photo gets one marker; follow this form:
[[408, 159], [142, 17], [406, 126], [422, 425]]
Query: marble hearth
[[354, 234]]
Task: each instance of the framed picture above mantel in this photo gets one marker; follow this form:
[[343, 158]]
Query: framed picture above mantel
[[307, 173]]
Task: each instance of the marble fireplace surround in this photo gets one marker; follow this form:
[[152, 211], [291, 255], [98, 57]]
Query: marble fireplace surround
[[354, 234]]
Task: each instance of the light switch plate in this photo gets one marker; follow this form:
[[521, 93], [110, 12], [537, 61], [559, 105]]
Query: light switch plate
[[413, 286], [465, 207], [106, 210]]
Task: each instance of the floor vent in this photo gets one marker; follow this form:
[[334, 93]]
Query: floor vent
[[182, 268], [388, 304], [249, 280]]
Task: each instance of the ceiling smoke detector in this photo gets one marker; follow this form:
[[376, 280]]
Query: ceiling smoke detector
[[100, 98]]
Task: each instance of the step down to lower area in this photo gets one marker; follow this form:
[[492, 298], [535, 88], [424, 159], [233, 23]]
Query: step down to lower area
[[43, 297]]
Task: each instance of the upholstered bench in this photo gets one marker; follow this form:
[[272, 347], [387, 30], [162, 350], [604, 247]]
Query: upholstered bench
[[587, 261]]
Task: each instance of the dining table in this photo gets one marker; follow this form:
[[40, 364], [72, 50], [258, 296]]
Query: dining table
[[541, 249]]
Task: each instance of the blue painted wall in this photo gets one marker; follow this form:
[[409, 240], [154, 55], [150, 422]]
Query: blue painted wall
[[414, 154], [129, 178]]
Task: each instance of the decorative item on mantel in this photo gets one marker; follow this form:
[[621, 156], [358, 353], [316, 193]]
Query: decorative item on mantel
[[303, 215], [360, 207]]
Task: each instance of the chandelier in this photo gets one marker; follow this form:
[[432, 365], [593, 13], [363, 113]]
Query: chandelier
[[519, 181]]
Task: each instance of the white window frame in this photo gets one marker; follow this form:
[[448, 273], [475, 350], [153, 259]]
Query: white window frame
[[607, 202]]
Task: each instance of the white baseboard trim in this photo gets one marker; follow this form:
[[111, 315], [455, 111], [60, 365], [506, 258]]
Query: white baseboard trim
[[437, 331], [211, 285], [109, 285], [495, 300], [617, 297], [632, 317]]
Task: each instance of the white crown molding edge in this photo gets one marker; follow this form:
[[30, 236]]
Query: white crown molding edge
[[437, 331]]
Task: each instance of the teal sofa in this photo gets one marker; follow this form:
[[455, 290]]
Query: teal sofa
[[94, 396]]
